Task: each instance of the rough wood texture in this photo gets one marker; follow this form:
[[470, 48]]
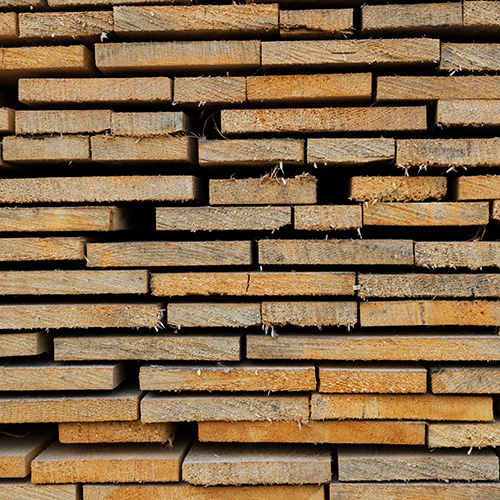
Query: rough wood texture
[[25, 490], [22, 5], [247, 407], [9, 32], [212, 464], [463, 435], [372, 378], [470, 57], [313, 432], [495, 211], [7, 120], [24, 344], [91, 4], [336, 252], [251, 152], [143, 347], [316, 23], [477, 187], [222, 218], [95, 91], [388, 464], [481, 18], [211, 90], [169, 253], [324, 120], [468, 113], [112, 463], [465, 379], [151, 123], [347, 53], [302, 89], [159, 57], [328, 217], [263, 191]]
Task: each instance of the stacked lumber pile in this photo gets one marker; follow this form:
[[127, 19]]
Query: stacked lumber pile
[[249, 251]]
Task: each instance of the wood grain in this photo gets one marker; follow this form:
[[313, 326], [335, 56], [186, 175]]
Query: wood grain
[[7, 120], [24, 344], [468, 113], [479, 18], [210, 90], [328, 217], [9, 31], [465, 379], [476, 187], [151, 123], [316, 23], [26, 490], [470, 57]]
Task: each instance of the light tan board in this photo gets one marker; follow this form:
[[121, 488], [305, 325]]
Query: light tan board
[[336, 252], [388, 464], [146, 347], [465, 379], [470, 56], [7, 120], [316, 23], [151, 123], [242, 377], [495, 211], [196, 21], [95, 91], [25, 490], [24, 344], [347, 152], [213, 464], [348, 53], [302, 89], [480, 18], [468, 113], [372, 378], [199, 314], [222, 218], [463, 435], [91, 4], [41, 249], [375, 347], [247, 407], [112, 463], [383, 432], [120, 404], [328, 217], [116, 432], [169, 253], [161, 57], [251, 152], [211, 90], [323, 120], [263, 191], [9, 32], [253, 284], [476, 187], [22, 5]]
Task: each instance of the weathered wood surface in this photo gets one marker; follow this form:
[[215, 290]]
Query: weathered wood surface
[[316, 23], [26, 490], [465, 379], [91, 4], [302, 89], [336, 252], [480, 18], [141, 347], [9, 31], [328, 217], [150, 123], [468, 113], [21, 5], [7, 120], [210, 90], [222, 218], [251, 152], [476, 187], [383, 432], [252, 284], [463, 435], [389, 464], [24, 344], [95, 91], [372, 378], [246, 407], [116, 432], [470, 57], [213, 464], [324, 120], [495, 211]]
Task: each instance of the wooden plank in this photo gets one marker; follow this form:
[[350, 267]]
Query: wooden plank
[[211, 90], [7, 121], [222, 218], [99, 189], [150, 123], [350, 152], [411, 19], [465, 379], [373, 378], [48, 149], [430, 313], [251, 152], [163, 22], [403, 464], [80, 121], [383, 432], [400, 407], [24, 344], [212, 464], [161, 57], [328, 217], [169, 253], [160, 149], [426, 214], [310, 313], [28, 316], [323, 120], [264, 191], [25, 490], [41, 249], [242, 377], [144, 347], [480, 18], [112, 463], [116, 432], [91, 4], [313, 89], [336, 252], [316, 23], [468, 113], [43, 219], [95, 91], [9, 31], [253, 283], [348, 53], [397, 188], [463, 435], [495, 211], [246, 407], [471, 254], [208, 314], [470, 57], [66, 27], [120, 404], [381, 347], [476, 187], [20, 5]]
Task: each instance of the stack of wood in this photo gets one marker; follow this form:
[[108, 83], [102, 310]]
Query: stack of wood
[[249, 251]]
